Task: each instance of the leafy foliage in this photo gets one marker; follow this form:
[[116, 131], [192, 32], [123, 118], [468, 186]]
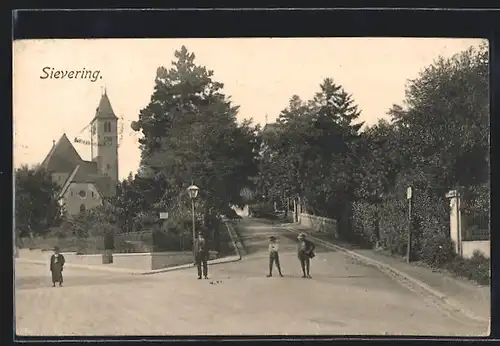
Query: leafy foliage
[[36, 205], [310, 153], [96, 222], [190, 136], [436, 141], [262, 210]]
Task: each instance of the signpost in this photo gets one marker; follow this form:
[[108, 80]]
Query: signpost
[[409, 196]]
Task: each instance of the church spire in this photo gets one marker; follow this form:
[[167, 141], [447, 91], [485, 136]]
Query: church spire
[[104, 110]]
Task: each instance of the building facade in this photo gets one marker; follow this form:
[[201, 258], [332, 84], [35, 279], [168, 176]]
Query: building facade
[[87, 184]]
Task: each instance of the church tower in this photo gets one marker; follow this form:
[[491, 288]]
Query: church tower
[[104, 139]]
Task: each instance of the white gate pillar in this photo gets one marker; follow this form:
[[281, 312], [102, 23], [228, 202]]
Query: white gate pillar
[[456, 224]]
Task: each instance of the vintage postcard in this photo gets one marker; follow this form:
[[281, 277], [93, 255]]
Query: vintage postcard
[[269, 186]]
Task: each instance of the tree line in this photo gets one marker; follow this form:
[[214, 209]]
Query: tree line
[[436, 141], [318, 151]]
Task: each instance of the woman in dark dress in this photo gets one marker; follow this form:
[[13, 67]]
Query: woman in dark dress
[[56, 267]]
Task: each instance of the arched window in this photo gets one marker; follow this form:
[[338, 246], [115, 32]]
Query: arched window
[[107, 126], [82, 208]]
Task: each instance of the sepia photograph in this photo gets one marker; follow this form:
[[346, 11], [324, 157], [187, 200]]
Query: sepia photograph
[[251, 186]]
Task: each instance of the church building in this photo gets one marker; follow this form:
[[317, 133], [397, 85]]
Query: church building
[[87, 184]]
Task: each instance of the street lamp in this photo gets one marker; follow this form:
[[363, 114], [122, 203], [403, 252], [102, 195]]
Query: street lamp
[[193, 193]]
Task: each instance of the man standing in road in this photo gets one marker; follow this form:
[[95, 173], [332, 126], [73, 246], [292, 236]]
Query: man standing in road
[[200, 251], [56, 267], [305, 253]]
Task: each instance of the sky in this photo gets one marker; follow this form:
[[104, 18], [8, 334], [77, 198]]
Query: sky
[[260, 75]]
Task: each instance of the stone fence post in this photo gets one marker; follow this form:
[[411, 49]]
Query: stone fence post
[[456, 220]]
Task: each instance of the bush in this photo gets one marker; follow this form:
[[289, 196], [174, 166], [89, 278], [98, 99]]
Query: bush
[[435, 249], [431, 243], [171, 241], [477, 268], [394, 226], [262, 210], [69, 243], [431, 228], [365, 221]]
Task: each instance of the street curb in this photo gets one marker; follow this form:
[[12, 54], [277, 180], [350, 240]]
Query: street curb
[[238, 245], [186, 266], [210, 262], [133, 272], [385, 267], [80, 266]]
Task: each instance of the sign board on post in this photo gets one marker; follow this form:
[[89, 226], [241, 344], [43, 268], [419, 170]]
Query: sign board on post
[[163, 215], [408, 193], [408, 249]]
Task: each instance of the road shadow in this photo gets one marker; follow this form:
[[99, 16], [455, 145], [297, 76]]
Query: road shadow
[[254, 236]]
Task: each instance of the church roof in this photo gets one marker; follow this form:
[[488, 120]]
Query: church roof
[[88, 168], [104, 110], [62, 157], [271, 128], [86, 171], [81, 174]]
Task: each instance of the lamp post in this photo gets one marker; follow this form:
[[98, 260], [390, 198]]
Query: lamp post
[[193, 193]]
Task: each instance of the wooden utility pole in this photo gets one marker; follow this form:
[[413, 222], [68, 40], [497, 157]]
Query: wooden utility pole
[[408, 249]]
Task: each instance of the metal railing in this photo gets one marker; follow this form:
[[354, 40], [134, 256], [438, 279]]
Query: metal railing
[[477, 227]]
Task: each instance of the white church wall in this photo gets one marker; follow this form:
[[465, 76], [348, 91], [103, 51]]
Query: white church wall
[[79, 194]]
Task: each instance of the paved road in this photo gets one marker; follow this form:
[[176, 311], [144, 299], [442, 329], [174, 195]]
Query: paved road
[[344, 297]]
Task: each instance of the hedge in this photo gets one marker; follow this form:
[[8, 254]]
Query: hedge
[[431, 242]]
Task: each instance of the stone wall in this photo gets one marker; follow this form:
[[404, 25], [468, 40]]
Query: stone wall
[[468, 248], [319, 224], [139, 261], [88, 245]]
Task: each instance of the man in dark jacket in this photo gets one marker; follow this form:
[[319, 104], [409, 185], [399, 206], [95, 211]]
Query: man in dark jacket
[[56, 267], [305, 253], [200, 251]]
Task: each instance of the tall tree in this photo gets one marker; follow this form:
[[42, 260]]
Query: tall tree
[[437, 141], [313, 149], [190, 135], [446, 120], [36, 205], [379, 161]]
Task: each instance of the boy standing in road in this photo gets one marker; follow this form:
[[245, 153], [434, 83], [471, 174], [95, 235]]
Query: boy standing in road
[[56, 267], [273, 256]]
